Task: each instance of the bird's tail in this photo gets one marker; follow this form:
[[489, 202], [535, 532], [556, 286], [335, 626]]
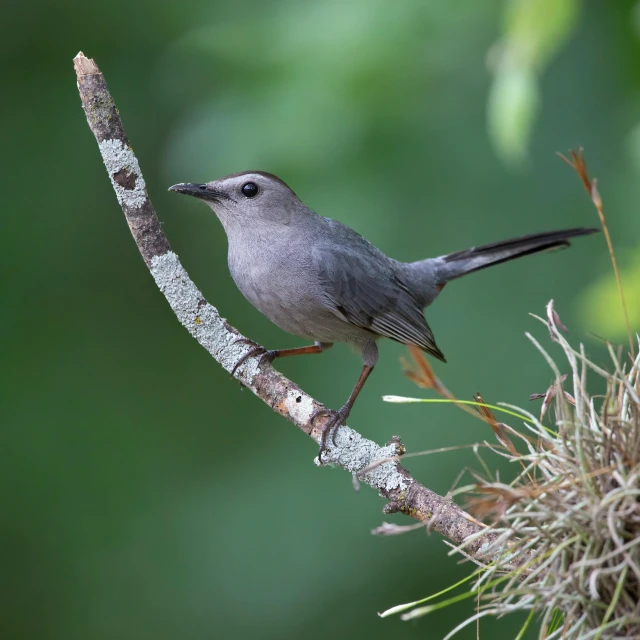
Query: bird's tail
[[460, 263], [428, 277]]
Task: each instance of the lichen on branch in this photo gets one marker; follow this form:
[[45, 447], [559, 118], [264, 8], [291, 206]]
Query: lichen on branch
[[370, 463]]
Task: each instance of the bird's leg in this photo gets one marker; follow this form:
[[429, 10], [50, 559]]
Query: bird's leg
[[338, 417], [270, 355]]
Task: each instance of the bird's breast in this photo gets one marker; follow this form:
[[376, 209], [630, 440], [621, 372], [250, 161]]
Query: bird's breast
[[282, 285], [269, 274]]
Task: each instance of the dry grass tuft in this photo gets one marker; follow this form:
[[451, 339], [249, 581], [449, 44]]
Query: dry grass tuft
[[568, 543], [568, 548], [571, 522]]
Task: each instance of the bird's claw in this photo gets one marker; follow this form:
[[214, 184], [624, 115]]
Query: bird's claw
[[336, 419], [256, 349]]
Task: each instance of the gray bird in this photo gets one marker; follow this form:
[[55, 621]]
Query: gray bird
[[318, 279]]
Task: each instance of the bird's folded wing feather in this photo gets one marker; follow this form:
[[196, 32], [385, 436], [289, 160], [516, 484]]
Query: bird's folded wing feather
[[363, 289]]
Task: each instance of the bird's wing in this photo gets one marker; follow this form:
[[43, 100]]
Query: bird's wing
[[362, 288]]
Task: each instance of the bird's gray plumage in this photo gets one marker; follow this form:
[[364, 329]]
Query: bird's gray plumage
[[317, 278], [366, 289]]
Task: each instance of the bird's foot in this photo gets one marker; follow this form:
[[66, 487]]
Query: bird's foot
[[266, 355], [336, 419]]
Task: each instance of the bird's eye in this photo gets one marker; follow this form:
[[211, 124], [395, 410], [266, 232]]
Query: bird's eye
[[250, 189]]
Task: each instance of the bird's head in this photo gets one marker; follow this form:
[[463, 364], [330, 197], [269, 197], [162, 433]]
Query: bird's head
[[248, 198]]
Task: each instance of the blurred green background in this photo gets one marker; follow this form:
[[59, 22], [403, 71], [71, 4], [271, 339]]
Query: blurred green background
[[146, 495]]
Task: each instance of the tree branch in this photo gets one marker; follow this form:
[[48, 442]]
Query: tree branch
[[375, 465]]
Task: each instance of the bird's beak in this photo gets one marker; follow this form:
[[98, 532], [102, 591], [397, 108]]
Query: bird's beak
[[201, 191]]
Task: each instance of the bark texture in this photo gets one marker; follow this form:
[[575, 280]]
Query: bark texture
[[370, 463]]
